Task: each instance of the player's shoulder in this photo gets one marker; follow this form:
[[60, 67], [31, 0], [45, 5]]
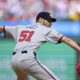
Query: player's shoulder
[[42, 26], [23, 26], [52, 29]]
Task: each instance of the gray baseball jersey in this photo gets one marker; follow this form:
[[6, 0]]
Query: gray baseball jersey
[[30, 38]]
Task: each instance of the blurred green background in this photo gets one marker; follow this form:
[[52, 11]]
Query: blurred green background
[[60, 58]]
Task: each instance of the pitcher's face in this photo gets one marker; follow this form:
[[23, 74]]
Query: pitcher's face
[[47, 23]]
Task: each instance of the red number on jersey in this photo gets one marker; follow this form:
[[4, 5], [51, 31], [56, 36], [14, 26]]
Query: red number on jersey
[[25, 36]]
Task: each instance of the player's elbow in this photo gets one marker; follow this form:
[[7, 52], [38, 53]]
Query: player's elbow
[[1, 29], [66, 40]]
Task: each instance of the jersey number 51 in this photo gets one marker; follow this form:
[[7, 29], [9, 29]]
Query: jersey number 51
[[25, 36]]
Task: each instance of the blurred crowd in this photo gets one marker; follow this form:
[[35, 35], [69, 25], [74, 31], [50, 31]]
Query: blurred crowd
[[16, 10]]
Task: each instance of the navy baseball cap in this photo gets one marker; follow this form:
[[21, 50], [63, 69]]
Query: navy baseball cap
[[46, 16]]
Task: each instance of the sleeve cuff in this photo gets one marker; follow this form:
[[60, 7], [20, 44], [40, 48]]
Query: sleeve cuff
[[4, 31], [59, 41]]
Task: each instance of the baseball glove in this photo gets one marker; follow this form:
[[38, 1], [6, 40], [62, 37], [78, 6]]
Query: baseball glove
[[78, 69]]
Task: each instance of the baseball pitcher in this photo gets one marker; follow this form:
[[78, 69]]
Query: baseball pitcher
[[28, 40]]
